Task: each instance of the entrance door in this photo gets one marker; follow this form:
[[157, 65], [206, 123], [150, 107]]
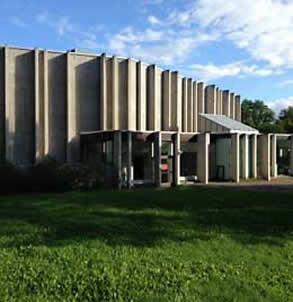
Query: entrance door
[[167, 162]]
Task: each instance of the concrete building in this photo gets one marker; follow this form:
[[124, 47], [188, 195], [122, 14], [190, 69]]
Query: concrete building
[[151, 125]]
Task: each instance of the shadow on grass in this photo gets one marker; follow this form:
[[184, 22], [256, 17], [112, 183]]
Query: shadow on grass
[[146, 217]]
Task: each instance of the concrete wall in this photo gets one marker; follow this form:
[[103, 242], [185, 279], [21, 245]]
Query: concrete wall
[[48, 97], [2, 105]]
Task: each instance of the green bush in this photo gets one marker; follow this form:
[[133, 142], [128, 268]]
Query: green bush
[[51, 176]]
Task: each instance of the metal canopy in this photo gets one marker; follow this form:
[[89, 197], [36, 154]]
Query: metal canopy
[[230, 125]]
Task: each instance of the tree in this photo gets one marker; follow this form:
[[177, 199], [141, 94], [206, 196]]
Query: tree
[[286, 119], [258, 115]]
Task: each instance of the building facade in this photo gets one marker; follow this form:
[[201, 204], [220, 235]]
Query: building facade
[[151, 125]]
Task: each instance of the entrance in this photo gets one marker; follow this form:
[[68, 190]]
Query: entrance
[[167, 159]]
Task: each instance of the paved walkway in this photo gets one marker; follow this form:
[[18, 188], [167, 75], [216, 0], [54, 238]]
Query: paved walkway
[[282, 183]]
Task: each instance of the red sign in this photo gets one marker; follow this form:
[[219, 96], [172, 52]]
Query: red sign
[[164, 167]]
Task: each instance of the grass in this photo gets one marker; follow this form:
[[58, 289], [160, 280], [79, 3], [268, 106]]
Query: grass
[[185, 244]]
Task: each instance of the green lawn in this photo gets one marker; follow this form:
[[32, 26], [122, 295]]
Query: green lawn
[[185, 244]]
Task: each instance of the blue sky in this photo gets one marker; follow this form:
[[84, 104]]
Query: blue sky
[[244, 45]]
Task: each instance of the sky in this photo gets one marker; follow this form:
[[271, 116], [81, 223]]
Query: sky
[[245, 46]]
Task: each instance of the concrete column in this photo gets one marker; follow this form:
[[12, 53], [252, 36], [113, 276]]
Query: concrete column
[[177, 154], [157, 158], [291, 155], [264, 148], [103, 93], [216, 100], [9, 136], [190, 105], [226, 103], [176, 101], [115, 96], [39, 111], [254, 155], [129, 161], [154, 99], [232, 105], [211, 103], [117, 157], [238, 108], [46, 106], [131, 94], [235, 157], [2, 103], [274, 156], [203, 158], [195, 108], [184, 106], [167, 118], [200, 104], [245, 156], [141, 96], [73, 116], [220, 102]]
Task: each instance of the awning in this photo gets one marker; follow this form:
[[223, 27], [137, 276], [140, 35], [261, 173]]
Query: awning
[[223, 124]]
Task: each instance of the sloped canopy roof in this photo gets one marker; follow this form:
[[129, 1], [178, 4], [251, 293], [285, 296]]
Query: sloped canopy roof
[[229, 125]]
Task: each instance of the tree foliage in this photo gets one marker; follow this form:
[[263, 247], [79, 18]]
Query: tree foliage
[[258, 115]]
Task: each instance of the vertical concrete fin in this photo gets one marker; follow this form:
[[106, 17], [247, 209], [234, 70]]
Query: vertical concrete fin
[[176, 100], [184, 105], [73, 123], [103, 94], [195, 107], [190, 105], [220, 101], [39, 106], [46, 105], [2, 103], [211, 99], [131, 94], [141, 96], [9, 132], [154, 98], [238, 108], [115, 97], [200, 104], [232, 105], [226, 103], [167, 100]]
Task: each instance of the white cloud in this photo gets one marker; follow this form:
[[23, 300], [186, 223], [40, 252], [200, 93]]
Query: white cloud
[[65, 28], [280, 104], [164, 46], [286, 83], [154, 20], [240, 69], [263, 27], [17, 22]]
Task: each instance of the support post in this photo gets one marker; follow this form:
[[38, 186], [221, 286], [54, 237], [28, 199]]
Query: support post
[[265, 158], [245, 156], [117, 157], [203, 158], [177, 159], [274, 156], [291, 155], [129, 161], [157, 158], [235, 157], [254, 155]]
